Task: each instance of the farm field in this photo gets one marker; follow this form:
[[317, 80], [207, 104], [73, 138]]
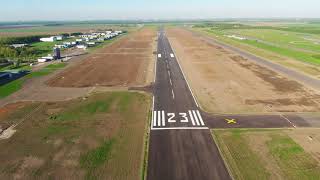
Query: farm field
[[225, 82], [55, 30], [97, 137], [127, 62], [297, 47], [270, 154]]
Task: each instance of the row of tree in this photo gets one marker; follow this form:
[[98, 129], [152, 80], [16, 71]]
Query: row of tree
[[19, 40], [18, 55]]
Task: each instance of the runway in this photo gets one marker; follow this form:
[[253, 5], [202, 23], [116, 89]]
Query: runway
[[181, 146]]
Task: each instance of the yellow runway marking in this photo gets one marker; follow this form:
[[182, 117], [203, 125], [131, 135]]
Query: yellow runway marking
[[231, 121]]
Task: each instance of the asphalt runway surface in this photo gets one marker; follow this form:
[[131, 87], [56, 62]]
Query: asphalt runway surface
[[255, 121], [181, 145]]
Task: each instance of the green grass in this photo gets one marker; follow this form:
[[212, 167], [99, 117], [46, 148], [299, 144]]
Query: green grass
[[292, 159], [96, 157], [274, 47], [102, 144], [43, 48], [21, 67], [10, 88], [282, 38], [14, 86], [244, 163], [298, 55], [85, 110]]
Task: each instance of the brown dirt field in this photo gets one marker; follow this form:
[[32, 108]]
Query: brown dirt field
[[225, 82], [4, 111], [127, 62]]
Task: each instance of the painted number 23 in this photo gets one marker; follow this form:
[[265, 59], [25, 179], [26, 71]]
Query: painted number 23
[[173, 115]]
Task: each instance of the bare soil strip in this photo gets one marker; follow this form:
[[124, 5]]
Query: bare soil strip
[[125, 63]]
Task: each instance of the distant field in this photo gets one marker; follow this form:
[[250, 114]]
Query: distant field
[[270, 154], [14, 86], [52, 30], [99, 137], [279, 43]]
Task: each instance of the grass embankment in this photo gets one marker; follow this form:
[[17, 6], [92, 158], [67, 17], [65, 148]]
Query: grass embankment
[[14, 86], [278, 45], [100, 137], [265, 154]]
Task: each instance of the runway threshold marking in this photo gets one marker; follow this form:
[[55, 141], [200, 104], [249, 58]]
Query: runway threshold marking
[[231, 121], [160, 119]]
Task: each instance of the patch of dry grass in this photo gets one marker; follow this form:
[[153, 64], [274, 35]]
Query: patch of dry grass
[[99, 137]]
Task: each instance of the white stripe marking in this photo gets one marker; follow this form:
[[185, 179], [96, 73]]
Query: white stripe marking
[[191, 117], [152, 115], [172, 94], [155, 118], [172, 55], [181, 128], [163, 119], [288, 121], [159, 118], [196, 118], [201, 120], [159, 55]]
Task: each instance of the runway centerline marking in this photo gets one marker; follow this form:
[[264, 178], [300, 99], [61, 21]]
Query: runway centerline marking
[[170, 82], [172, 93], [194, 98]]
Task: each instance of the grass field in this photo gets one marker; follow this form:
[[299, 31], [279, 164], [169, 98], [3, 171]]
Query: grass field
[[299, 43], [99, 137], [14, 86], [265, 154]]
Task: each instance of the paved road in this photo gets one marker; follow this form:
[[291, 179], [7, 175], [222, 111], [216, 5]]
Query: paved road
[[300, 77], [181, 146]]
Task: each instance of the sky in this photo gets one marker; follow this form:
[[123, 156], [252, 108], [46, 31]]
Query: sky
[[26, 10]]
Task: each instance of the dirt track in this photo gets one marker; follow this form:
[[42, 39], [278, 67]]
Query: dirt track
[[127, 62], [224, 82]]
